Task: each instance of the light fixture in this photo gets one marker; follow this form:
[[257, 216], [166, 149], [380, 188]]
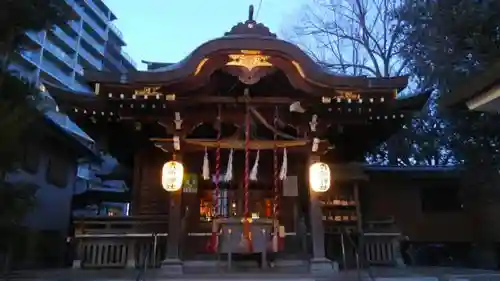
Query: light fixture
[[172, 176], [319, 177]]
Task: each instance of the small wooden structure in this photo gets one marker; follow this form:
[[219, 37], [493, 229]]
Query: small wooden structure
[[242, 97]]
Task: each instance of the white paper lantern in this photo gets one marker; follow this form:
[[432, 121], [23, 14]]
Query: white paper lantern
[[172, 176], [319, 177]]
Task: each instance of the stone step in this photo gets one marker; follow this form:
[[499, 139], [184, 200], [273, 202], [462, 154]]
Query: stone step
[[211, 266]]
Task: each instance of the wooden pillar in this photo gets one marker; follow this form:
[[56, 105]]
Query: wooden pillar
[[172, 264], [174, 217], [320, 265]]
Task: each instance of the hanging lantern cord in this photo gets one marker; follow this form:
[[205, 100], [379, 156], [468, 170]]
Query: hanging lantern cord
[[276, 179]]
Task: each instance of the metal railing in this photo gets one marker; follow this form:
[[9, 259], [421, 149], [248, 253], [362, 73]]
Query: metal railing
[[35, 36], [70, 41], [117, 63], [128, 58], [55, 72], [76, 25], [361, 263], [59, 53], [30, 56], [79, 69], [95, 26], [115, 30], [91, 59], [97, 10], [93, 42]]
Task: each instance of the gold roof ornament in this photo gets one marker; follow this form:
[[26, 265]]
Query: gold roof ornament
[[148, 91], [249, 60]]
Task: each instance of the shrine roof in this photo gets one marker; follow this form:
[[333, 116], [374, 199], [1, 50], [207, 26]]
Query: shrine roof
[[75, 144], [473, 88], [247, 42]]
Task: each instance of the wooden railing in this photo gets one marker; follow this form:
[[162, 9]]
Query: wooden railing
[[118, 242], [119, 250], [382, 249]]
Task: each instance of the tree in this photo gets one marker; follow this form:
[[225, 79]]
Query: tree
[[362, 37], [20, 16], [18, 113], [446, 42], [19, 105], [358, 37]]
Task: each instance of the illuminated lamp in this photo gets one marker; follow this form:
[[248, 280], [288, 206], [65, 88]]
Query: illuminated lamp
[[172, 175], [319, 177]]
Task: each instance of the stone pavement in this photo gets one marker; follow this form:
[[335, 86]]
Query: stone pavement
[[374, 274]]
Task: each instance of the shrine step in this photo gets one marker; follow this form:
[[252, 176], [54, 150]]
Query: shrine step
[[211, 266]]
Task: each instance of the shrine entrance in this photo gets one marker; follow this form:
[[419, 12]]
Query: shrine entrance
[[234, 146]]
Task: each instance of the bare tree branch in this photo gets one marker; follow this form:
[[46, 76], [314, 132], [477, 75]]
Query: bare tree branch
[[354, 37]]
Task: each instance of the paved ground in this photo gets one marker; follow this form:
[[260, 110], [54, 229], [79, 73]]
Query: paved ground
[[377, 274]]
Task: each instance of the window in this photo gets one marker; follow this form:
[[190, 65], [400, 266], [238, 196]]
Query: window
[[440, 199], [58, 171]]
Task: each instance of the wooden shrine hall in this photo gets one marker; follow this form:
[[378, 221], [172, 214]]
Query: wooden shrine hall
[[246, 148]]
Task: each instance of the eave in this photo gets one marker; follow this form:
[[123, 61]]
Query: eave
[[480, 93], [81, 150]]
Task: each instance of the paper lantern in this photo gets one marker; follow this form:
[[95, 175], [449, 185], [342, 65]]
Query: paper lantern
[[172, 176], [319, 177]]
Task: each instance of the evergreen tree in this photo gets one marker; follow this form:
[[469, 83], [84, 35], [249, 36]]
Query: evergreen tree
[[19, 108], [446, 43]]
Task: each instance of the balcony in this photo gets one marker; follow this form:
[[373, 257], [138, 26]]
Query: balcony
[[36, 37], [79, 69], [116, 63], [97, 11], [59, 76], [128, 58], [31, 56], [97, 185], [68, 40], [95, 27], [94, 44], [116, 31], [97, 64], [60, 54], [76, 26]]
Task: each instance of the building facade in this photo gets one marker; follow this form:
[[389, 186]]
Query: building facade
[[61, 56], [48, 164]]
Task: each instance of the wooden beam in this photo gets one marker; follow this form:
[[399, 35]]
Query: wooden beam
[[300, 145]]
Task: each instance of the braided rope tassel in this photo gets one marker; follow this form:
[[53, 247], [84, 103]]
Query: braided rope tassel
[[214, 241], [246, 223], [217, 166], [276, 185]]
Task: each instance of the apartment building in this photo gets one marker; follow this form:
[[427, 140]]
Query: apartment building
[[60, 56]]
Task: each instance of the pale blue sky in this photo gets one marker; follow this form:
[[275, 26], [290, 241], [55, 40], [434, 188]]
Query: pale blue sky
[[168, 30]]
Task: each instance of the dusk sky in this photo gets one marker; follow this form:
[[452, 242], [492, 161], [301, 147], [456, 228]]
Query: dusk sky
[[168, 30]]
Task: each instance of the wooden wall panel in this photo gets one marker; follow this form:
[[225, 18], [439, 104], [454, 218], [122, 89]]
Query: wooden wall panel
[[401, 199], [149, 196]]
